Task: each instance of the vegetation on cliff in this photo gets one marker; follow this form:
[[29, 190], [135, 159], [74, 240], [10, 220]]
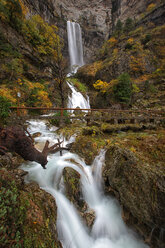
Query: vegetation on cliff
[[31, 60], [137, 50]]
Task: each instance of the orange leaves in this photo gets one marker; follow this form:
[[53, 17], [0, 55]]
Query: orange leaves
[[137, 64], [23, 7], [112, 41]]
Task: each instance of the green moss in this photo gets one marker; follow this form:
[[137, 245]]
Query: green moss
[[80, 86], [12, 212]]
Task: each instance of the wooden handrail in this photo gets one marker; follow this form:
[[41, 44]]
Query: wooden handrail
[[99, 110]]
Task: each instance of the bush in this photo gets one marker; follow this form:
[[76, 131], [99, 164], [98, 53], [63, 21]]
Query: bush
[[128, 46], [146, 39], [123, 89], [4, 107]]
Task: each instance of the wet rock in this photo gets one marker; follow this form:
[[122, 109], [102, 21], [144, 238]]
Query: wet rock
[[72, 185], [36, 135], [140, 190], [10, 161], [74, 194]]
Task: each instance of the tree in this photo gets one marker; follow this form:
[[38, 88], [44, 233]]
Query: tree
[[118, 27], [123, 89], [129, 25], [15, 15], [59, 67]]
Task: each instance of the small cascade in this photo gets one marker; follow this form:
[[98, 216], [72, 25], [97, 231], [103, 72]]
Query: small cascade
[[75, 45], [108, 230], [76, 99]]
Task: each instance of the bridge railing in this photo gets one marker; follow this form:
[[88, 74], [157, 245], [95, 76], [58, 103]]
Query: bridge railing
[[133, 115]]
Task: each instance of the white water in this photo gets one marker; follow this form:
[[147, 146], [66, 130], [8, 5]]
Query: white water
[[75, 45], [76, 99], [108, 230]]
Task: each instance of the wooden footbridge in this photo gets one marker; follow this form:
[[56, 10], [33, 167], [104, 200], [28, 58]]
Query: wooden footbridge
[[111, 116]]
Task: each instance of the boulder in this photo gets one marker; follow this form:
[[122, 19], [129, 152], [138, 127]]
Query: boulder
[[140, 188]]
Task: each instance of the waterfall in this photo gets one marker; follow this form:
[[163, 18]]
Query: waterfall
[[76, 60], [108, 230], [77, 99], [75, 45]]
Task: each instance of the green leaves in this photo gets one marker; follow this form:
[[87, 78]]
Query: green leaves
[[4, 107], [123, 89]]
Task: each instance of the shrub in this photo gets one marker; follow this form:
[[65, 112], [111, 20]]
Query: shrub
[[4, 107], [123, 89], [146, 39]]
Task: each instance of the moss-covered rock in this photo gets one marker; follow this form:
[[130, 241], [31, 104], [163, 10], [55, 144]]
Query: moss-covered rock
[[140, 188], [28, 214]]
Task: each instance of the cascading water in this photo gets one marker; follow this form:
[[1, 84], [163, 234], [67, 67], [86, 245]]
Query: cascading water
[[76, 60], [108, 231], [75, 45], [77, 99]]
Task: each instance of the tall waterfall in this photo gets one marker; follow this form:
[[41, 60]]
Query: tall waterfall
[[108, 230], [75, 45]]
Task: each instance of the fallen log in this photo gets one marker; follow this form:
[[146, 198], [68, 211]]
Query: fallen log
[[17, 139]]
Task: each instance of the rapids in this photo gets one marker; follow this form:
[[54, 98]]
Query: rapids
[[108, 230]]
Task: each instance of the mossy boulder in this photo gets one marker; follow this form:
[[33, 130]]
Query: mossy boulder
[[140, 190], [72, 186], [28, 213], [85, 147]]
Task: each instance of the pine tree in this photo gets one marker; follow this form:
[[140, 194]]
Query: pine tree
[[129, 25], [119, 27]]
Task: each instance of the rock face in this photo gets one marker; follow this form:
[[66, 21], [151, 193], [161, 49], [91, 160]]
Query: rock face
[[140, 190]]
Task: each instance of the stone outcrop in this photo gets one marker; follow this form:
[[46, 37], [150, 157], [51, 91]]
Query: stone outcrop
[[140, 189]]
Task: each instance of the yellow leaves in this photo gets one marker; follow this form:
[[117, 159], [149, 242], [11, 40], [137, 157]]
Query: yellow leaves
[[130, 41], [115, 52], [135, 88], [104, 86], [112, 41], [132, 149], [5, 92], [43, 98], [101, 86], [39, 86], [151, 7], [19, 81]]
